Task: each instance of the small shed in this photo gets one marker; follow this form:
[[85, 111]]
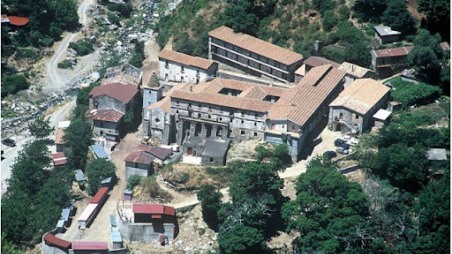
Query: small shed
[[99, 152], [80, 176], [60, 226], [215, 151], [65, 214], [87, 216], [385, 34], [100, 197], [436, 154], [59, 159], [128, 194], [107, 182], [382, 117], [89, 247], [116, 239], [53, 241]]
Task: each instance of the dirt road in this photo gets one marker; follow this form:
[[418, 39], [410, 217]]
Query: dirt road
[[56, 80]]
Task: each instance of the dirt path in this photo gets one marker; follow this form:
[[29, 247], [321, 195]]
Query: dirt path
[[55, 80]]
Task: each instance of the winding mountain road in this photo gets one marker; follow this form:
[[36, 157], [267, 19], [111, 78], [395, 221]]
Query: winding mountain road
[[55, 81]]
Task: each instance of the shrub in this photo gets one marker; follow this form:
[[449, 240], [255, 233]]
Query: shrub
[[65, 64], [83, 47], [150, 185], [29, 53], [133, 181], [409, 94], [11, 84]]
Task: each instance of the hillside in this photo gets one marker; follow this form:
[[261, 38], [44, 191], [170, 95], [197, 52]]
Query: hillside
[[288, 23]]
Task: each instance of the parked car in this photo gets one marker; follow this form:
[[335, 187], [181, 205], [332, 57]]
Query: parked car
[[341, 150], [339, 142], [329, 154], [346, 146], [9, 142]]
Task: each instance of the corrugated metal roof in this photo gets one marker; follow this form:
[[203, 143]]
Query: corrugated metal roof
[[385, 30], [158, 152], [65, 213], [87, 212], [64, 124], [153, 209], [99, 195], [79, 175], [79, 245], [52, 240], [109, 115], [140, 157], [390, 52], [99, 151]]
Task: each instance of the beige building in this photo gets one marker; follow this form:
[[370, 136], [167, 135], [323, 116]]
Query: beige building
[[227, 109], [253, 55], [179, 67], [353, 110], [354, 72]]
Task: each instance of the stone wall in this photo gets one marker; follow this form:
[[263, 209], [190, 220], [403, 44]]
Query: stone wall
[[142, 170]]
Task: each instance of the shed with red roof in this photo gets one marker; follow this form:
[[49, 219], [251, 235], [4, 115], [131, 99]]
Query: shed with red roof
[[81, 247], [100, 197], [52, 241], [147, 213]]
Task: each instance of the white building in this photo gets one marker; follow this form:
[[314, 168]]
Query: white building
[[178, 67]]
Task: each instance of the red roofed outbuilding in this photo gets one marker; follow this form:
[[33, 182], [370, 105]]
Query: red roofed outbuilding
[[89, 247], [100, 197], [52, 241], [146, 213]]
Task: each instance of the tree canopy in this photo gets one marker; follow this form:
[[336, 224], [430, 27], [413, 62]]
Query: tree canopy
[[78, 138], [437, 16], [398, 18], [40, 128], [210, 199], [96, 171], [330, 212]]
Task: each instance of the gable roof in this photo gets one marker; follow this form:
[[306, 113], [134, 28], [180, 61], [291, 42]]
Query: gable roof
[[301, 102], [99, 151], [315, 61], [99, 195], [361, 95], [392, 52], [184, 59], [109, 115], [158, 152], [118, 91], [215, 147], [353, 69], [256, 45], [153, 209], [140, 157]]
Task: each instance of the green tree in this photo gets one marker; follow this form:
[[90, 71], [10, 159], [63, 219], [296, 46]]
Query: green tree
[[40, 128], [398, 18], [330, 212], [437, 16], [239, 16], [210, 199], [15, 216], [369, 9], [9, 247], [11, 84], [133, 181], [329, 20], [78, 138], [96, 171], [426, 55], [241, 239]]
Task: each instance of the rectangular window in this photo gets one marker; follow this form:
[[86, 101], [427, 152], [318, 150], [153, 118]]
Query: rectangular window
[[210, 159], [182, 69], [166, 64], [255, 134], [243, 122], [356, 117], [242, 133]]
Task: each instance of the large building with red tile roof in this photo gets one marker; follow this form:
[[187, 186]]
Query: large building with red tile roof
[[108, 104], [228, 109], [353, 109], [179, 67], [253, 55]]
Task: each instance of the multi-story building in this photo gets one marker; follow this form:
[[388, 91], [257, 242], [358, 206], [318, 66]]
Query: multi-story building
[[108, 104], [384, 60], [253, 55], [179, 67], [125, 74], [353, 109], [354, 72], [227, 109]]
